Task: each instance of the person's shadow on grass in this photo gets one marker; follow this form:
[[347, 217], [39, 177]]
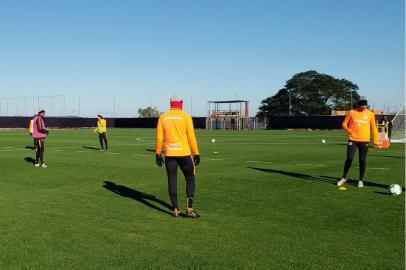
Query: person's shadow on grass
[[90, 147], [385, 156], [297, 175], [139, 196], [321, 178], [29, 160]]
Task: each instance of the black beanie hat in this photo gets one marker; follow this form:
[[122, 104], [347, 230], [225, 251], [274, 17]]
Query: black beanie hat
[[362, 101]]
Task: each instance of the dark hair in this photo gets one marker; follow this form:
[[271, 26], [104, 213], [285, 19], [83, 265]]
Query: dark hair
[[100, 116], [41, 111]]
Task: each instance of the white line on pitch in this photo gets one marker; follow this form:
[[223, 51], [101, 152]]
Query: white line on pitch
[[141, 155], [315, 165], [214, 159], [269, 136], [373, 168], [256, 161], [12, 150], [276, 143], [63, 147], [73, 147]]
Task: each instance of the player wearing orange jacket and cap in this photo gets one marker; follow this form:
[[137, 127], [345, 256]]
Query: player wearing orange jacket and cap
[[175, 133], [358, 124]]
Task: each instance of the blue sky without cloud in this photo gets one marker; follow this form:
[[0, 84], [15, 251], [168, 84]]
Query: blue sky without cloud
[[139, 53]]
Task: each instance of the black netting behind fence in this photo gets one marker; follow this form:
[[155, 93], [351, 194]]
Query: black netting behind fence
[[274, 122], [310, 122], [78, 122]]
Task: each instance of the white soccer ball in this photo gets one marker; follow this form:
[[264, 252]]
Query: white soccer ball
[[213, 140], [395, 189], [323, 141]]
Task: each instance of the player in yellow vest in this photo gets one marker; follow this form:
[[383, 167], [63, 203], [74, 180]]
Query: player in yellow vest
[[358, 124], [102, 130], [31, 126], [175, 133], [31, 129]]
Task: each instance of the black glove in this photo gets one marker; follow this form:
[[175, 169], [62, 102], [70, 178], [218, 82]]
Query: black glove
[[47, 132], [159, 160], [196, 160]]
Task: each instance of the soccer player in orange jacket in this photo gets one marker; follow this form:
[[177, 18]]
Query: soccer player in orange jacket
[[176, 134], [358, 124]]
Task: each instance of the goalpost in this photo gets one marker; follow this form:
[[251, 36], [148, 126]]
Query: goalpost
[[398, 127]]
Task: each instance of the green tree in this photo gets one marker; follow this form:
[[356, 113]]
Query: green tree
[[278, 104], [311, 93], [148, 112]]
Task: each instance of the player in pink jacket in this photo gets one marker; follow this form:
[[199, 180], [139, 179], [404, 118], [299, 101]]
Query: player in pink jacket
[[39, 134]]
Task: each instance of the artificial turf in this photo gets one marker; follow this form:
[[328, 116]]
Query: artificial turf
[[267, 200]]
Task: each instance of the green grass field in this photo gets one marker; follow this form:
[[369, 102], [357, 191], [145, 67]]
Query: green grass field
[[267, 200]]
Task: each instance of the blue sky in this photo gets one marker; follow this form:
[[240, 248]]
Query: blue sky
[[139, 53]]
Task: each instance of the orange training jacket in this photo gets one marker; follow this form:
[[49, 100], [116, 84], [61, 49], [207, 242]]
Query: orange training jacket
[[359, 124], [176, 133]]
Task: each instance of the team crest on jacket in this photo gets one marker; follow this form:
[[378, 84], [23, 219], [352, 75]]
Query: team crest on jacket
[[365, 116]]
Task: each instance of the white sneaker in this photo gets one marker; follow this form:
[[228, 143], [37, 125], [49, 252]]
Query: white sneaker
[[360, 184], [36, 164], [341, 182], [44, 166]]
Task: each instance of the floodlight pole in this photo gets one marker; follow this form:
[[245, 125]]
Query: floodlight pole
[[290, 104], [64, 104], [114, 107], [52, 105], [351, 99]]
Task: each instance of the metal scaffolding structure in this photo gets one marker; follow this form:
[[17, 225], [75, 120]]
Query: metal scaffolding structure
[[228, 115]]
